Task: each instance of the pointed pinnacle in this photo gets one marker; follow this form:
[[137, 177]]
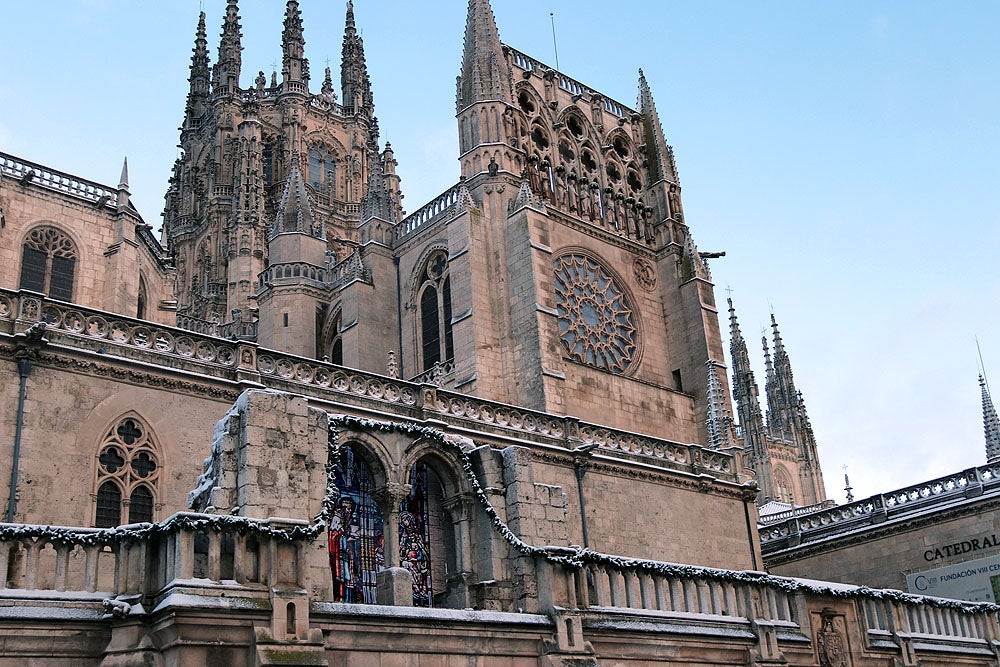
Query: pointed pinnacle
[[991, 424], [123, 183]]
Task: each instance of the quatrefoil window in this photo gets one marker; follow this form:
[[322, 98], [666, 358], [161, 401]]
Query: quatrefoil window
[[597, 324]]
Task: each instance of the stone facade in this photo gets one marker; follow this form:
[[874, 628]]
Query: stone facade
[[509, 407]]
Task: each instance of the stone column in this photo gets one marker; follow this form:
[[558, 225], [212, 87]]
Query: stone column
[[389, 498]]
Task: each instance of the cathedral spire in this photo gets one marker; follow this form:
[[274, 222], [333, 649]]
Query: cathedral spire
[[226, 76], [660, 154], [748, 408], [376, 203], [294, 64], [486, 75], [295, 212], [355, 85], [991, 425], [199, 79]]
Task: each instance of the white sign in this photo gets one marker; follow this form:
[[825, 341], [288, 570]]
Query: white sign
[[974, 580]]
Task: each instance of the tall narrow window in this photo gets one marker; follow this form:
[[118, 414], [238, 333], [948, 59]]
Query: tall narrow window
[[421, 543], [355, 537], [140, 306], [436, 340], [127, 474], [322, 171], [48, 263]]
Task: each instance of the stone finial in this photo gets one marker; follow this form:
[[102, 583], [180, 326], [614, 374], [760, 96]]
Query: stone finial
[[391, 365], [355, 85], [486, 75], [658, 151], [294, 66], [123, 193], [991, 425], [226, 75]]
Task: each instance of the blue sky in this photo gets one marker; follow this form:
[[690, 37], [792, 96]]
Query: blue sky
[[844, 155]]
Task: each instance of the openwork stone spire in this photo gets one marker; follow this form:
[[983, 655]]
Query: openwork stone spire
[[991, 425], [294, 65], [199, 79], [227, 69], [376, 203], [659, 153], [354, 82], [486, 75], [295, 212], [748, 409]]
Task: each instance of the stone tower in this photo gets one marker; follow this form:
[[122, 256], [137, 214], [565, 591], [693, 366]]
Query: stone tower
[[254, 158], [781, 449], [575, 284]]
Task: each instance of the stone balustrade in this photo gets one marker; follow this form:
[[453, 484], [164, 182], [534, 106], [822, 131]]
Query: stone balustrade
[[29, 172], [783, 532], [257, 571], [183, 349], [439, 208]]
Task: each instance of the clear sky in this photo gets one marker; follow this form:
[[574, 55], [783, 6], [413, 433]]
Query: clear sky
[[844, 155]]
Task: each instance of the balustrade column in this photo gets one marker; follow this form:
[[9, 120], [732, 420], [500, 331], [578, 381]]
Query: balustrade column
[[92, 554], [62, 566], [602, 585], [33, 550]]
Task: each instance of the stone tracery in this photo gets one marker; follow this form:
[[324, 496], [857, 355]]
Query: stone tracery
[[597, 323]]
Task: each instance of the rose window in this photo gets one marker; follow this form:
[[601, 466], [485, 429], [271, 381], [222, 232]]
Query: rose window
[[597, 324]]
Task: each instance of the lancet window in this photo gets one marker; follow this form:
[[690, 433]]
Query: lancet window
[[356, 540], [48, 263], [434, 296], [322, 171], [128, 473], [421, 543]]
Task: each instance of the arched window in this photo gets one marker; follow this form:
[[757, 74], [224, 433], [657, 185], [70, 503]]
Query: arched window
[[355, 537], [48, 263], [421, 535], [127, 473], [140, 307], [332, 342], [783, 491], [436, 343], [322, 170]]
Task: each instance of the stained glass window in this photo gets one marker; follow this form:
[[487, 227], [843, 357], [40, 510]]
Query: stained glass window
[[415, 535], [597, 324], [355, 537]]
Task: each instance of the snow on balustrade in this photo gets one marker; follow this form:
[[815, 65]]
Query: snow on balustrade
[[437, 209], [812, 525], [88, 324], [35, 174], [199, 550]]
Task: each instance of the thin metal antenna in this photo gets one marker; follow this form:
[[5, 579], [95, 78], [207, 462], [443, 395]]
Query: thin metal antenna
[[982, 366], [555, 47]]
